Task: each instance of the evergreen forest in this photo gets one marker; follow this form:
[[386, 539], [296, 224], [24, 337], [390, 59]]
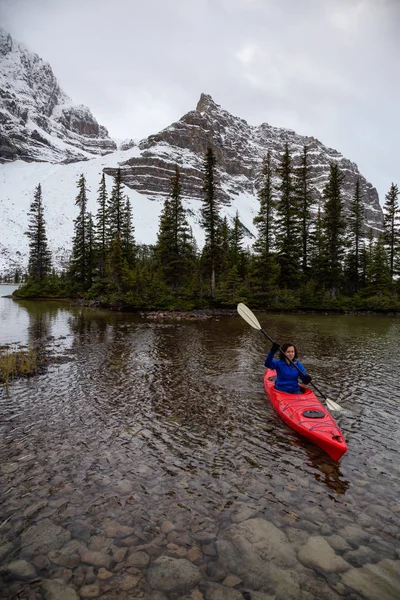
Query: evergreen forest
[[308, 253]]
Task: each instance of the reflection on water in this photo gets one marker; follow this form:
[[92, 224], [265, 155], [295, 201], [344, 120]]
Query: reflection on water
[[147, 423]]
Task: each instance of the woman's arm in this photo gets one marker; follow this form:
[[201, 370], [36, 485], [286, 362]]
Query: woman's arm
[[303, 375], [269, 361]]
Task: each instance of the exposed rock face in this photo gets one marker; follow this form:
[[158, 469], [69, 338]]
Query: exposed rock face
[[239, 149], [38, 121], [127, 144]]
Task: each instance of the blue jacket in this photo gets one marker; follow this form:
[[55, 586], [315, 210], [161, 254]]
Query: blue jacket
[[287, 374]]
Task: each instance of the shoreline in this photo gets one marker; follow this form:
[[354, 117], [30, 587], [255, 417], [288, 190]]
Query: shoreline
[[205, 313]]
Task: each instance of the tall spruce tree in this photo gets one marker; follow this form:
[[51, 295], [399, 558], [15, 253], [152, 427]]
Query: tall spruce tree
[[264, 219], [367, 252], [355, 223], [39, 265], [115, 209], [317, 247], [334, 230], [210, 217], [224, 236], [288, 240], [380, 268], [305, 199], [264, 270], [116, 266], [80, 267], [175, 248], [391, 215], [127, 234], [91, 249], [236, 254], [101, 227]]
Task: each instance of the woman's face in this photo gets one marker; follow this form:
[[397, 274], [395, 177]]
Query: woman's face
[[290, 352]]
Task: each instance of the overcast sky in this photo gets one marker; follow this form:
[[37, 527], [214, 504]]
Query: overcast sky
[[325, 68]]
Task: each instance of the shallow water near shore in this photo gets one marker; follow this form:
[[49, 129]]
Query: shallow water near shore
[[146, 462]]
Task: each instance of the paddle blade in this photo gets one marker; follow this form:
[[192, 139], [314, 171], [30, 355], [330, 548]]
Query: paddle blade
[[333, 405], [248, 316]]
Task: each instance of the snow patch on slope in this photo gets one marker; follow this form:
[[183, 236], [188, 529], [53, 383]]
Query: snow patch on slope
[[18, 181]]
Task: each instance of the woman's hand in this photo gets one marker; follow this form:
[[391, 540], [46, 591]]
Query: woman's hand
[[306, 379]]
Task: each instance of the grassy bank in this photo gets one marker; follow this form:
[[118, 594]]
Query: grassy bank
[[22, 362]]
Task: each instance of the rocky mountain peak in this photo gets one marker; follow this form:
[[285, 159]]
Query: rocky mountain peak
[[239, 149], [207, 104], [39, 121]]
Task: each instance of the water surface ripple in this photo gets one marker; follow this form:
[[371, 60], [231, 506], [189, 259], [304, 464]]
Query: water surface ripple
[[145, 423]]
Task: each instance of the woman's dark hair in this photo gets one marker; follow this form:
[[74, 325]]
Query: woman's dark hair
[[285, 346]]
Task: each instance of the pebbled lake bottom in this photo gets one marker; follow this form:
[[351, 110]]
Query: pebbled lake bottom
[[147, 463]]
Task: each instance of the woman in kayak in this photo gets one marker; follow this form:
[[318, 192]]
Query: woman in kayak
[[287, 374]]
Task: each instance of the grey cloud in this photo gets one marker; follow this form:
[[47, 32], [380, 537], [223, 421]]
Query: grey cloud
[[326, 68]]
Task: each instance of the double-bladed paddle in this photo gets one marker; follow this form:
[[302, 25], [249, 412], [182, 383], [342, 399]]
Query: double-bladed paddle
[[252, 320]]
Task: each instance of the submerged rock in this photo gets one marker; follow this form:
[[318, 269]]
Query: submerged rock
[[19, 569], [97, 559], [318, 554], [56, 589], [90, 591], [43, 537], [114, 529], [261, 555], [375, 581], [176, 575], [214, 591]]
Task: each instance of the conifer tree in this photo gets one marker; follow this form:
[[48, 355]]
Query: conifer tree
[[367, 252], [334, 230], [175, 248], [127, 234], [224, 237], [380, 268], [317, 247], [102, 226], [230, 290], [264, 220], [305, 200], [116, 265], [391, 215], [80, 267], [91, 248], [356, 223], [115, 209], [39, 266], [210, 217], [288, 241], [236, 254], [263, 269]]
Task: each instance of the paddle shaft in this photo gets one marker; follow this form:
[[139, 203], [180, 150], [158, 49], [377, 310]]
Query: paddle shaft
[[292, 362]]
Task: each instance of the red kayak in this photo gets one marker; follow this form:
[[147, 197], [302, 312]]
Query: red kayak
[[307, 415]]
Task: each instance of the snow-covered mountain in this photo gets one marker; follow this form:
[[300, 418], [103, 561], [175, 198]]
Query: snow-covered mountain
[[38, 120], [46, 139], [239, 149], [18, 181]]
